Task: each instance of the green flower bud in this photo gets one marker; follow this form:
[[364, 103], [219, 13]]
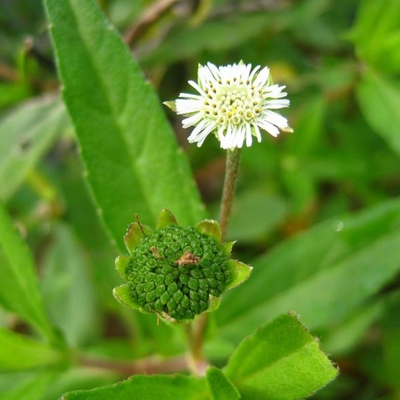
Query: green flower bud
[[176, 272]]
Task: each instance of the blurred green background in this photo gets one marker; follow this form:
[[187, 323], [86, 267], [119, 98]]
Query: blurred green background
[[340, 62]]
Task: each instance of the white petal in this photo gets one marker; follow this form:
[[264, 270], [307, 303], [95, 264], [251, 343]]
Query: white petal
[[193, 120], [198, 88], [254, 72], [271, 129], [275, 104], [262, 77], [276, 119], [257, 132], [249, 136]]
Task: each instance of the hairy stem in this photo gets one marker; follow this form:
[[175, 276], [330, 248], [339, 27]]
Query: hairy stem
[[228, 193]]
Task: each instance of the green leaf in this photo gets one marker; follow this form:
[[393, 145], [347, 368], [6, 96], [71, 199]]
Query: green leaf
[[219, 386], [20, 352], [281, 361], [324, 274], [379, 100], [240, 273], [166, 218], [135, 234], [121, 293], [210, 228], [132, 159], [26, 134], [68, 289], [26, 386], [167, 387], [19, 290], [376, 33], [343, 338], [79, 378]]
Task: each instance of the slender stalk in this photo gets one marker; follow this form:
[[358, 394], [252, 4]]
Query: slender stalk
[[228, 193]]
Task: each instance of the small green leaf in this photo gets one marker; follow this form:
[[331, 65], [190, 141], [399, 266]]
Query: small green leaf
[[26, 134], [215, 302], [210, 228], [134, 164], [121, 293], [240, 273], [220, 387], [19, 291], [121, 262], [20, 352], [134, 235], [156, 387], [165, 219], [281, 361], [171, 105], [228, 247]]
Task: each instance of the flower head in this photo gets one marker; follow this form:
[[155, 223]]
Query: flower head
[[175, 272], [235, 103]]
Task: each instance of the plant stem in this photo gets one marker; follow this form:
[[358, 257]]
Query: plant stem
[[231, 173], [196, 361]]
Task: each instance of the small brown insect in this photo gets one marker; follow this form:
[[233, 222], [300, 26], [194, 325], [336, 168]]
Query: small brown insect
[[155, 252], [188, 258]]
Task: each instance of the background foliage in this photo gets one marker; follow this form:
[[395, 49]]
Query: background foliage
[[316, 212]]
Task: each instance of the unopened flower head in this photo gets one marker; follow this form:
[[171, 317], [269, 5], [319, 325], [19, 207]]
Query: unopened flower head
[[235, 103]]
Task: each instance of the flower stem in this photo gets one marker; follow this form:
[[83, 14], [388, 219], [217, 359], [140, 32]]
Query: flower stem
[[231, 173]]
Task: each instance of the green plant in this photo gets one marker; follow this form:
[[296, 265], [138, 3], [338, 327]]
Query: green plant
[[194, 323]]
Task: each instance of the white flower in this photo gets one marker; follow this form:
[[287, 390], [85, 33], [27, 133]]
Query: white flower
[[234, 103]]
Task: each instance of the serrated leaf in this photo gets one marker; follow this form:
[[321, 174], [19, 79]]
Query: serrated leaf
[[19, 290], [379, 100], [25, 135], [167, 387], [281, 361], [132, 159], [20, 352], [219, 385], [324, 274]]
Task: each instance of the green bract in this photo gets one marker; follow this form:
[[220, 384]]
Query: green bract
[[177, 272]]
